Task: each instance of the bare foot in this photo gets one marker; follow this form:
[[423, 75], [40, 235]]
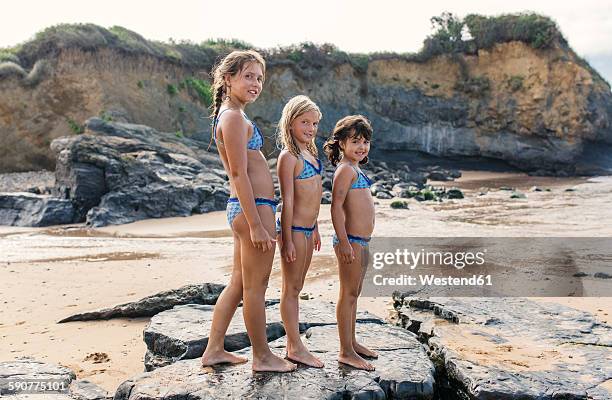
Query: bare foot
[[354, 360], [302, 355], [364, 351], [221, 357], [273, 363]]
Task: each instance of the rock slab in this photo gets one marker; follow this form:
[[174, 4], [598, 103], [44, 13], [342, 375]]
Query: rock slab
[[403, 371]]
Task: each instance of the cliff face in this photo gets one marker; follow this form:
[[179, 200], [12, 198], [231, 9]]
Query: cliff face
[[534, 108]]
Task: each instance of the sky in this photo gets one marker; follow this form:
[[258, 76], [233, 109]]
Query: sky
[[355, 26]]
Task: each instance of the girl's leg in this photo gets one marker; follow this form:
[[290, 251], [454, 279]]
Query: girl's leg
[[351, 276], [256, 267], [359, 348], [222, 315], [293, 281]]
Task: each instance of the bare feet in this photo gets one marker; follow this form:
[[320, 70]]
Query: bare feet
[[221, 357], [364, 351], [302, 355], [354, 360], [273, 363]]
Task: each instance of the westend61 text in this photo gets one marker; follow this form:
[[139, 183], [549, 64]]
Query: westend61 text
[[432, 280]]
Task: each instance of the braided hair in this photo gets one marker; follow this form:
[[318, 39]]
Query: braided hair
[[231, 64]]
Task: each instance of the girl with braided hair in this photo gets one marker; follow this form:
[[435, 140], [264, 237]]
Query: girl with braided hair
[[237, 81]]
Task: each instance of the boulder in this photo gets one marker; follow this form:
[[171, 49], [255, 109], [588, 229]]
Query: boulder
[[182, 332], [28, 209], [205, 293], [117, 173], [403, 371]]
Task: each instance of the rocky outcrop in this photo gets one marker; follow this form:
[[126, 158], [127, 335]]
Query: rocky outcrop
[[28, 209], [403, 371], [206, 293], [117, 173], [33, 375], [537, 107], [182, 332], [511, 348]]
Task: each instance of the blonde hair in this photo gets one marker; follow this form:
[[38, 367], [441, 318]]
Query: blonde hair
[[231, 64], [295, 107]]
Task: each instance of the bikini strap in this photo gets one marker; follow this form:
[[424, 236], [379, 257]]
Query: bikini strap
[[215, 123]]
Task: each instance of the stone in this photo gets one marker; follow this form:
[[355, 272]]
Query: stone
[[565, 339], [326, 197], [182, 332], [384, 195], [454, 194], [117, 173], [28, 209], [403, 371], [30, 370], [327, 183], [206, 293]]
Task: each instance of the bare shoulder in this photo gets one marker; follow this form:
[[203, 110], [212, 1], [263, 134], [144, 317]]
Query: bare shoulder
[[344, 171], [286, 156], [232, 117]]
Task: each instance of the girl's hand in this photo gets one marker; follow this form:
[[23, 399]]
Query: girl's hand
[[288, 252], [317, 240], [261, 238], [347, 255]]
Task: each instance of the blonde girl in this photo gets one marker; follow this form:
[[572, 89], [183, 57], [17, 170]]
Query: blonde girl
[[299, 172]]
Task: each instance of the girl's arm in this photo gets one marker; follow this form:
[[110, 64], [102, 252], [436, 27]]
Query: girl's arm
[[343, 179], [235, 133], [317, 237], [286, 170]]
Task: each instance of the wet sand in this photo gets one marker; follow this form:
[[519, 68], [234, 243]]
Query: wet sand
[[51, 273]]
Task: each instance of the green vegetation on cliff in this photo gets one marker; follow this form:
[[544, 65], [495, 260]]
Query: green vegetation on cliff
[[451, 36]]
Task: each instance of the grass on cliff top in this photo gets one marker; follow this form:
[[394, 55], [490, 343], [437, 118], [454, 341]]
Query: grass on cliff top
[[451, 36], [90, 37]]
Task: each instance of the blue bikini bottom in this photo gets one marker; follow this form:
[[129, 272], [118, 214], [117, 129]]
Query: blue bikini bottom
[[233, 207], [352, 239], [307, 231]]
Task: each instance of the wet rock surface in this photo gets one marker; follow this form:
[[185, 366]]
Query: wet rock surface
[[29, 372], [117, 173], [403, 371], [511, 348], [182, 332], [206, 293], [29, 209]]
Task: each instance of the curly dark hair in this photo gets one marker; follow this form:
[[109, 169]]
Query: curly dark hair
[[351, 126]]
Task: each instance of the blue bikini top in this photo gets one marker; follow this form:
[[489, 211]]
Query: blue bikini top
[[310, 170], [362, 182], [256, 141]]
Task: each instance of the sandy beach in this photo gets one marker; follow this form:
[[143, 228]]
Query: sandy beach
[[50, 273]]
